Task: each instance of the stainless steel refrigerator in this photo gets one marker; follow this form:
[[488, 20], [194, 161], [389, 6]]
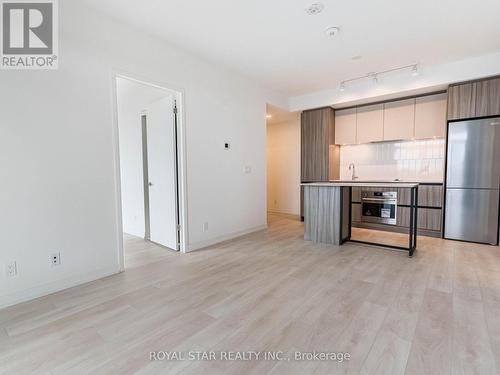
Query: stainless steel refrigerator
[[473, 181]]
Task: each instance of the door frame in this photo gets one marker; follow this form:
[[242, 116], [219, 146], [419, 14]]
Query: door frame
[[179, 95], [145, 179]]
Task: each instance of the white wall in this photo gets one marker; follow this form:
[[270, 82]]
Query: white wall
[[133, 98], [283, 167], [57, 160], [420, 160]]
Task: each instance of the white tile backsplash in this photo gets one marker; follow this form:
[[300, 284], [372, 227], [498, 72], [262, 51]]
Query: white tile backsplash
[[421, 160]]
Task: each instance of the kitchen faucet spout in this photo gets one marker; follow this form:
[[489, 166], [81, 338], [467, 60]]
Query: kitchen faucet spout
[[353, 168]]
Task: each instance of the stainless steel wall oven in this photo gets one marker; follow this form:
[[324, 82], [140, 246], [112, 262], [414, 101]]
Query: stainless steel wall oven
[[379, 207]]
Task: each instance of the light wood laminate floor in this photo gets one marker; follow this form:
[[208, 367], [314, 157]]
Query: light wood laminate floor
[[437, 313]]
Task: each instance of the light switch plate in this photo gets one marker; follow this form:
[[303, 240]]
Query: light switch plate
[[11, 269]]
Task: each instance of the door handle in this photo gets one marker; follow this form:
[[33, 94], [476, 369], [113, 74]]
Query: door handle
[[388, 201], [150, 183]]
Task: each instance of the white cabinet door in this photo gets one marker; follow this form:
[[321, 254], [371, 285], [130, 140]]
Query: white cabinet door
[[399, 120], [370, 123], [345, 126], [430, 116]]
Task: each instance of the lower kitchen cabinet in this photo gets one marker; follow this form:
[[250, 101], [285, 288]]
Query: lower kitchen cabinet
[[429, 221], [356, 213], [434, 219]]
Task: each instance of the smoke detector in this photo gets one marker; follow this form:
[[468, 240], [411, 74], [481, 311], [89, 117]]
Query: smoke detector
[[332, 31], [315, 8]]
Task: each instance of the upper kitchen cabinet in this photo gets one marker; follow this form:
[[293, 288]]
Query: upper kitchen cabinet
[[462, 101], [399, 120], [345, 126], [430, 116], [370, 123], [317, 134], [488, 97], [474, 99]]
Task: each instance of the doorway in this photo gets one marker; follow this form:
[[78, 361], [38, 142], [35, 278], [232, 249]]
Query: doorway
[[149, 157]]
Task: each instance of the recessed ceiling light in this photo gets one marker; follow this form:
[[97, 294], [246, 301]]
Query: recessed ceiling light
[[269, 116], [331, 31], [358, 57], [315, 8], [342, 86]]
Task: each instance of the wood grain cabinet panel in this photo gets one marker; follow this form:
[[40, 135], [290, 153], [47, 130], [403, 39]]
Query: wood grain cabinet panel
[[434, 219], [428, 218], [403, 217], [370, 123], [462, 101], [421, 219], [430, 195], [317, 133], [399, 120], [356, 194], [488, 97], [430, 116], [345, 126], [404, 196], [356, 212]]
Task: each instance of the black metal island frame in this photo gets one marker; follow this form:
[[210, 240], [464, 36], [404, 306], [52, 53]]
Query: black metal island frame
[[328, 212]]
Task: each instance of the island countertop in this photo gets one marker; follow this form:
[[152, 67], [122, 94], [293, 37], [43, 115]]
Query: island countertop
[[394, 184]]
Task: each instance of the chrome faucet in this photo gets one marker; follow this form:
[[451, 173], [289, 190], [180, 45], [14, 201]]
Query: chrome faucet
[[353, 167]]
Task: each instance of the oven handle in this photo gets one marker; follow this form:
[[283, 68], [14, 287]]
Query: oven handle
[[390, 201]]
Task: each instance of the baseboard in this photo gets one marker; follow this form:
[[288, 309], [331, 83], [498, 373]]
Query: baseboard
[[213, 241], [284, 212], [7, 300]]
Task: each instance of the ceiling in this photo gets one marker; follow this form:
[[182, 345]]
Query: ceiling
[[276, 43]]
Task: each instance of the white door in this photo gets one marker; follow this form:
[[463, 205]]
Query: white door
[[162, 172]]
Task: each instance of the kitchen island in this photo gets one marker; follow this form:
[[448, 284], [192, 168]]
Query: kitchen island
[[328, 214]]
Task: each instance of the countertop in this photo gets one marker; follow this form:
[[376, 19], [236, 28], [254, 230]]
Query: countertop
[[391, 181], [395, 184]]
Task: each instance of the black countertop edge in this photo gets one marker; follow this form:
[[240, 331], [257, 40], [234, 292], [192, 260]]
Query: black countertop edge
[[376, 182]]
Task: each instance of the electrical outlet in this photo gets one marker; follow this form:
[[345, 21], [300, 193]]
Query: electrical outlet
[[11, 269], [55, 259], [205, 227], [248, 169]]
